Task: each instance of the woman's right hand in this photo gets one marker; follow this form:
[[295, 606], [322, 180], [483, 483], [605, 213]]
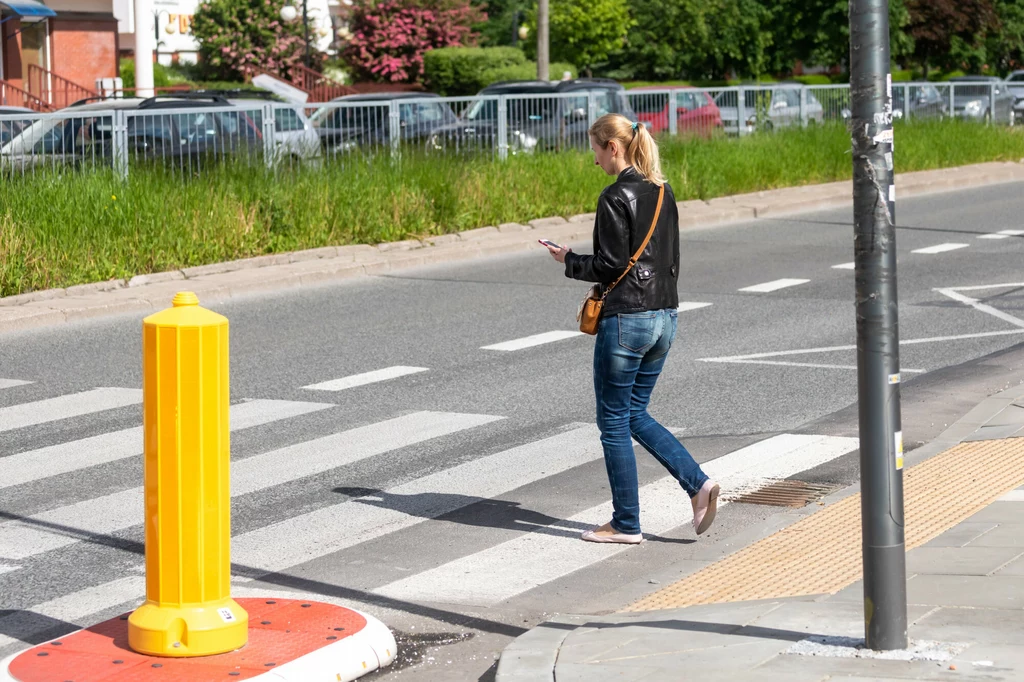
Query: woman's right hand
[[558, 254]]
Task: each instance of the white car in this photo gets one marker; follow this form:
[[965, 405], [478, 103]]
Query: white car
[[1015, 84]]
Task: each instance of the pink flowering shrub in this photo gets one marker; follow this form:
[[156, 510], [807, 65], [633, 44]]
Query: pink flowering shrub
[[236, 37], [389, 38]]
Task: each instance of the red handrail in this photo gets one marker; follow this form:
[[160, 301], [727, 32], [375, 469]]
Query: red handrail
[[54, 89], [13, 96]]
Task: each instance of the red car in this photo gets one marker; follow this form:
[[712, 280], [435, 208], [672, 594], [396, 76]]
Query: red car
[[695, 109]]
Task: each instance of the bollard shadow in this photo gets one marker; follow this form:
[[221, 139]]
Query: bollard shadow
[[755, 631], [482, 512]]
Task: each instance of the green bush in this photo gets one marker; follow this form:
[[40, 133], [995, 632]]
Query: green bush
[[524, 72], [458, 71], [161, 78], [813, 79]]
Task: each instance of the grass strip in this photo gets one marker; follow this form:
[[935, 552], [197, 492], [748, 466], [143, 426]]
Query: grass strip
[[60, 229]]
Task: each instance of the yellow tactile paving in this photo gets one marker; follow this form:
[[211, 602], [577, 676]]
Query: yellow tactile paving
[[822, 552]]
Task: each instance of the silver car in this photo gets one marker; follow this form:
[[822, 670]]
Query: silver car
[[767, 108], [983, 98], [1015, 84]]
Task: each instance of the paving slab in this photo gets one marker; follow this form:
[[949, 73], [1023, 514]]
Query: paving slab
[[986, 592], [1003, 535], [953, 624], [972, 560]]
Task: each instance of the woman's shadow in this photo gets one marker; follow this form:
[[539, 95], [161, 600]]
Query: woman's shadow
[[477, 511]]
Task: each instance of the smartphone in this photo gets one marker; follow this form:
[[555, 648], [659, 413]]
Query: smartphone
[[547, 242]]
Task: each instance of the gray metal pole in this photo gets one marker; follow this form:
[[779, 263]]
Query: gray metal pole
[[878, 387], [543, 41]]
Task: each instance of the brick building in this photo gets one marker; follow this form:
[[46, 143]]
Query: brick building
[[51, 54]]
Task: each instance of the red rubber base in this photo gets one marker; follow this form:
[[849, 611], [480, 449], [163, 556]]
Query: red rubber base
[[280, 631]]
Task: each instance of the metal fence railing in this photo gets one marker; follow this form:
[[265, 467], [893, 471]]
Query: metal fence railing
[[124, 134]]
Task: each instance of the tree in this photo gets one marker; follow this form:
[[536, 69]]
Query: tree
[[584, 32], [389, 38], [237, 37], [1004, 47], [949, 33]]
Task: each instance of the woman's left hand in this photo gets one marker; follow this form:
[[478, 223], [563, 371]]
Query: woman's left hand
[[559, 254]]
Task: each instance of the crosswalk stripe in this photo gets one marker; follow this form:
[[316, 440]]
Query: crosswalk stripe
[[774, 285], [111, 513], [845, 266], [71, 608], [1002, 234], [364, 379], [503, 571], [530, 341], [65, 406], [33, 465], [687, 306], [940, 248], [333, 528], [4, 568], [11, 383]]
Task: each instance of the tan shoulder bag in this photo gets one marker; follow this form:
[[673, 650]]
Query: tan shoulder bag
[[589, 313]]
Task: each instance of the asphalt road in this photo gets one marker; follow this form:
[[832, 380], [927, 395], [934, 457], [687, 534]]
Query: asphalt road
[[458, 527]]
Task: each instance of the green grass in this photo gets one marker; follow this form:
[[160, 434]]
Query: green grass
[[60, 230]]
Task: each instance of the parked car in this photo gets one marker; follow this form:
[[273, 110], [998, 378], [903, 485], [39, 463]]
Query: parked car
[[1015, 84], [973, 95], [767, 108], [11, 128], [539, 115], [294, 135], [83, 133], [696, 111], [925, 102], [355, 121]]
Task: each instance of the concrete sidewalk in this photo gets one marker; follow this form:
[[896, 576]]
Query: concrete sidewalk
[[965, 593], [145, 293]]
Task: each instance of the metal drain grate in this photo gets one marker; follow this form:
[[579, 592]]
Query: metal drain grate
[[787, 493]]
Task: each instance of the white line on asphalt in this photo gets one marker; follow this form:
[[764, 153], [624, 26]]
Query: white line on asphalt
[[530, 341], [941, 248], [802, 364], [982, 287], [1002, 234], [70, 608], [109, 447], [11, 383], [333, 528], [774, 285], [982, 307], [830, 349], [367, 378], [1012, 496], [65, 406], [111, 513], [687, 306], [503, 571], [4, 568], [844, 266]]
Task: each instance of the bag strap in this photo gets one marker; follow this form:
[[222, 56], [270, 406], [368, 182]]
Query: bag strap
[[647, 239]]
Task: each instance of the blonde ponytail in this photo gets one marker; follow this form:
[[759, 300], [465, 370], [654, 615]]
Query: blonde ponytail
[[640, 147]]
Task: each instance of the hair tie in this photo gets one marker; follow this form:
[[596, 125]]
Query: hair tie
[[635, 126]]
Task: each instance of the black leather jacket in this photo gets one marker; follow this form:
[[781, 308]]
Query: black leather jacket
[[624, 214]]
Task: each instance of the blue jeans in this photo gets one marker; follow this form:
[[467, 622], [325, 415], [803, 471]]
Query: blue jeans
[[628, 357]]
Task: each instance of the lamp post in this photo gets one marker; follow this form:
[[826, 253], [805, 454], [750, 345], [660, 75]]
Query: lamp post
[[289, 14]]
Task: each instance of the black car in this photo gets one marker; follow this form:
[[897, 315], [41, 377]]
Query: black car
[[539, 115], [360, 121], [83, 134]]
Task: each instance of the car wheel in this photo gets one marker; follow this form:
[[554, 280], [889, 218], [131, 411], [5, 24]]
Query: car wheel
[[987, 118], [1013, 118]]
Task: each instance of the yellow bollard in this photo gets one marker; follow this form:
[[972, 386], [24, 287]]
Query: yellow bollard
[[185, 399]]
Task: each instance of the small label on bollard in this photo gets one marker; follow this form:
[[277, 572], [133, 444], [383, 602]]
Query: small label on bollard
[[226, 615], [898, 437]]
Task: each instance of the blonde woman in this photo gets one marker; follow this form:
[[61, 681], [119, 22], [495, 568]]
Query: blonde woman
[[638, 323]]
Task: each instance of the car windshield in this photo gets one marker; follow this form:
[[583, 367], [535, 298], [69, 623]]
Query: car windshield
[[66, 135], [352, 115], [1017, 77], [649, 103], [521, 109]]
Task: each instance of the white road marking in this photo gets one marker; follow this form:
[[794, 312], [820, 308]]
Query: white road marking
[[11, 383], [805, 364], [830, 349], [346, 524], [774, 285], [530, 341], [109, 447], [1002, 234], [65, 406], [111, 513], [4, 568], [954, 293], [1012, 496], [687, 306], [844, 266], [367, 378], [71, 608], [503, 571], [941, 248]]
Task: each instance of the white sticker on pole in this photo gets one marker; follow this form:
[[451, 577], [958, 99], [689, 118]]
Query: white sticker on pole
[[226, 615], [892, 192], [888, 160], [888, 85], [894, 378], [884, 137], [898, 437]]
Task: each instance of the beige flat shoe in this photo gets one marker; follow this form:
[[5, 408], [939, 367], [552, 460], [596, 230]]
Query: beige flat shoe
[[705, 506], [606, 533]]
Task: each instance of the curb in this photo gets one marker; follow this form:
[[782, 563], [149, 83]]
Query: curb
[[221, 281], [532, 655]]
